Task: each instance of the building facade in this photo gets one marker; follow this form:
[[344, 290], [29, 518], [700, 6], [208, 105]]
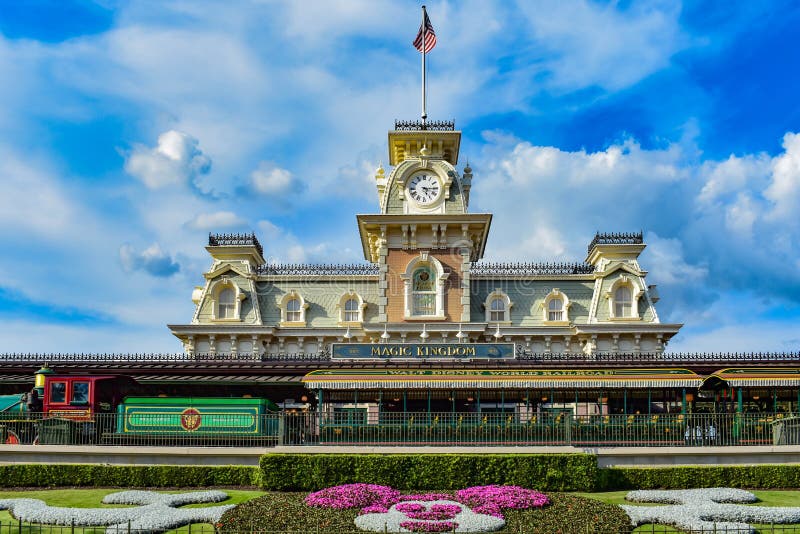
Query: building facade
[[423, 279]]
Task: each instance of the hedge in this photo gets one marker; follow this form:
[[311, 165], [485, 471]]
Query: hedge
[[680, 477], [129, 476], [546, 472]]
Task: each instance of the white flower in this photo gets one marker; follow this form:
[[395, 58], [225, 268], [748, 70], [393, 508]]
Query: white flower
[[467, 520], [156, 513], [706, 510]]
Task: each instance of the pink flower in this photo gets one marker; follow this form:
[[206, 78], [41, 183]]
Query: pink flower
[[491, 500], [354, 496]]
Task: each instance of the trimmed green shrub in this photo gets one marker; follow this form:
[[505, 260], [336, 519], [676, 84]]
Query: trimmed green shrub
[[681, 477], [129, 476], [546, 472]]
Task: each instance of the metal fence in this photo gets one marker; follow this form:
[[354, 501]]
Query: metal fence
[[356, 426]]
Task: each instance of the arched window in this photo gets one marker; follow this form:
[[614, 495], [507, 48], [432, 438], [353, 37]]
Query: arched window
[[226, 300], [352, 311], [555, 310], [623, 302], [497, 310], [498, 307], [294, 312], [423, 291], [226, 304]]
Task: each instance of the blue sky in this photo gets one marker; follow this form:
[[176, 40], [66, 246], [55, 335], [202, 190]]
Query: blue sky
[[129, 130]]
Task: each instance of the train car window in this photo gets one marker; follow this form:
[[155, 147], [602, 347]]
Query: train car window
[[58, 392], [80, 393]]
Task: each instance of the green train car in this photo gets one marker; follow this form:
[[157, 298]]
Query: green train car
[[104, 409], [197, 416]]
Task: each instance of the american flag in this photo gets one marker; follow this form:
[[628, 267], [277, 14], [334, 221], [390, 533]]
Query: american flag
[[430, 36]]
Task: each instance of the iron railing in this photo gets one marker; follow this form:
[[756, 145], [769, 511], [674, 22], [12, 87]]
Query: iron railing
[[668, 358], [529, 269], [616, 238], [307, 269], [435, 126], [235, 240], [357, 427], [49, 358]]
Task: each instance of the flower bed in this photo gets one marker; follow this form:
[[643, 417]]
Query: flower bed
[[476, 509], [706, 510], [288, 512], [157, 512]]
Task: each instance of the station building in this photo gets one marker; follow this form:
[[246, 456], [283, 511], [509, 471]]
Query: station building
[[423, 324]]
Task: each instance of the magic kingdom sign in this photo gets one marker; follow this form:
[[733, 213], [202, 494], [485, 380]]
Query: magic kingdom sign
[[422, 351]]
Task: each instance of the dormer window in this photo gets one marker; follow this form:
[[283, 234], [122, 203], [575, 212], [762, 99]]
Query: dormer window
[[556, 308], [498, 310], [226, 304], [498, 307], [226, 299], [351, 309], [623, 302], [293, 313], [293, 309]]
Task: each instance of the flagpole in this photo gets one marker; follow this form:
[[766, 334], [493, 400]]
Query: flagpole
[[424, 47]]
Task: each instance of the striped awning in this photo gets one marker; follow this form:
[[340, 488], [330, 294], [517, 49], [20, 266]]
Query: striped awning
[[499, 379], [756, 377], [218, 379]]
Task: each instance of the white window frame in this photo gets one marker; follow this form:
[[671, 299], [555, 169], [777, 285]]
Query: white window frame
[[288, 297], [636, 294], [497, 294], [343, 311], [425, 260], [216, 290], [556, 294]]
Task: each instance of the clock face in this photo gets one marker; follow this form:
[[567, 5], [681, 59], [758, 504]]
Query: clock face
[[424, 188]]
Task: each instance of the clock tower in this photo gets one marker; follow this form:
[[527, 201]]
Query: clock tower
[[424, 239]]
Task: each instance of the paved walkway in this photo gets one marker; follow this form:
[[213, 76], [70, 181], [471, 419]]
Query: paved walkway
[[612, 456]]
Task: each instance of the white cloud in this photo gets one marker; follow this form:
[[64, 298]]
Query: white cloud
[[217, 219], [33, 200], [733, 174], [667, 258], [176, 160], [269, 179], [151, 260], [784, 191], [602, 44]]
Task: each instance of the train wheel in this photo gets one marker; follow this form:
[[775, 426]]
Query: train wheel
[[12, 438]]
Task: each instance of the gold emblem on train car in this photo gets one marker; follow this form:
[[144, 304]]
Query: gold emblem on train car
[[191, 419]]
